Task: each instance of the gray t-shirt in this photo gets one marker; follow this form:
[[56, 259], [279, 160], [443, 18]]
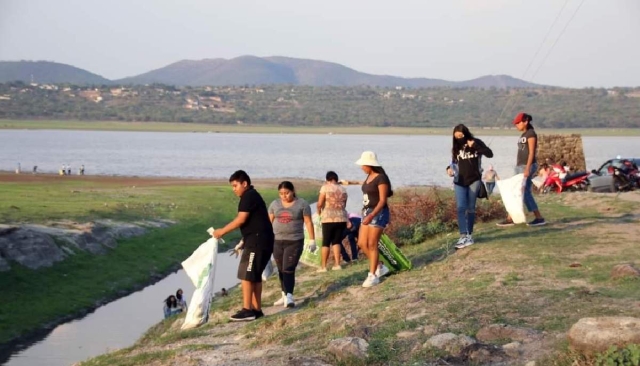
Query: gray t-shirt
[[523, 147], [288, 223]]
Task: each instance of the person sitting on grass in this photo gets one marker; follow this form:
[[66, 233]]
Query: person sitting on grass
[[182, 303], [171, 307], [257, 248]]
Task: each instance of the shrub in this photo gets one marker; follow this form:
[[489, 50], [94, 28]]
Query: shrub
[[629, 355], [418, 215]]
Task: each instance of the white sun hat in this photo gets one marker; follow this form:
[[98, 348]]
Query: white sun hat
[[368, 158]]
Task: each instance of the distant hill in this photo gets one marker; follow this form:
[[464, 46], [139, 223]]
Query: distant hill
[[285, 70], [243, 70], [43, 72]]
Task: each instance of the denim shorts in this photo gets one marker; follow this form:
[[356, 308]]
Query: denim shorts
[[380, 220]]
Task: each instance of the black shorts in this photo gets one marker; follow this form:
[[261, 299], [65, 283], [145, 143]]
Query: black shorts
[[257, 252], [333, 233]]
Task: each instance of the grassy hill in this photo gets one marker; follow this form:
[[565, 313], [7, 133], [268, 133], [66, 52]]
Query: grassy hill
[[534, 282], [243, 70], [46, 72], [251, 70]]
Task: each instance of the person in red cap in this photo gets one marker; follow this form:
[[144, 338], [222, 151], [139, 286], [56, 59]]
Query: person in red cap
[[526, 164]]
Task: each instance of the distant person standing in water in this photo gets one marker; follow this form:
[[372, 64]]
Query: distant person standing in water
[[68, 169], [82, 169], [35, 169], [527, 165]]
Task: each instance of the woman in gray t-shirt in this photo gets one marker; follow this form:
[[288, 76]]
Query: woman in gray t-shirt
[[288, 214]]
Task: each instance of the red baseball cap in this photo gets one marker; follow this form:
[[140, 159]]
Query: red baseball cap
[[519, 118]]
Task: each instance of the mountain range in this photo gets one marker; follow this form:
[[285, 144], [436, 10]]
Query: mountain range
[[242, 70]]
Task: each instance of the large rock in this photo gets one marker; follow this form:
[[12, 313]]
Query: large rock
[[624, 270], [502, 331], [30, 248], [36, 246], [452, 343], [590, 335], [348, 347]]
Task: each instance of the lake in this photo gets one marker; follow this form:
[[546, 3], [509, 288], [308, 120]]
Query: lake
[[409, 160]]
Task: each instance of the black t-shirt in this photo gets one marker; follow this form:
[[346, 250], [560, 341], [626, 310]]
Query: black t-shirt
[[523, 147], [370, 192], [258, 222], [469, 162]]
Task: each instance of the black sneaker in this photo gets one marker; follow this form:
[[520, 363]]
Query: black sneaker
[[537, 222], [505, 223], [243, 315], [259, 314]]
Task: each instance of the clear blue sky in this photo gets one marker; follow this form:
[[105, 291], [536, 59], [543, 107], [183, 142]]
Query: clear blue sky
[[444, 39]]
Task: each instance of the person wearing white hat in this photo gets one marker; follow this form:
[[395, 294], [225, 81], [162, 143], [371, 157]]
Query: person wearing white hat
[[376, 189]]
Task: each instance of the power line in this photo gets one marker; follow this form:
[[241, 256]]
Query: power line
[[534, 57]]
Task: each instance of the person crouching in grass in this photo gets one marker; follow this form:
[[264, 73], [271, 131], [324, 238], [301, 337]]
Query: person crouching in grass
[[257, 236]]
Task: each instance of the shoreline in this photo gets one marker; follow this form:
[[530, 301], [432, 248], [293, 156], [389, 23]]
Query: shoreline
[[7, 176], [280, 129]]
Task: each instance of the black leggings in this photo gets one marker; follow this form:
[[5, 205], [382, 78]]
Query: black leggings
[[287, 254]]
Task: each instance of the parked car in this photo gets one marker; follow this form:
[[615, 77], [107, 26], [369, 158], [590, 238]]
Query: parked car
[[602, 179]]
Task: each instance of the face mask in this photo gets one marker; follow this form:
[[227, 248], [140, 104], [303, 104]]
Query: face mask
[[179, 296]]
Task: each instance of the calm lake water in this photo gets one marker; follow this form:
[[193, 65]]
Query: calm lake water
[[409, 160]]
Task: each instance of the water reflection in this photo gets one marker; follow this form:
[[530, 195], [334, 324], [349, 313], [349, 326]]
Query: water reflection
[[117, 324]]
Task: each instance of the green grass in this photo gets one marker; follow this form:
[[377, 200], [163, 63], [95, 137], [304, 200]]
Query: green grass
[[77, 283], [518, 276], [199, 127]]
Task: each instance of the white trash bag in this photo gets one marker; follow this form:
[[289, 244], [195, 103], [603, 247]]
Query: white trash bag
[[200, 267]]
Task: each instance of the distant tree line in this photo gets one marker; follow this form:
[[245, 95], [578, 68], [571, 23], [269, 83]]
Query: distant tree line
[[323, 106]]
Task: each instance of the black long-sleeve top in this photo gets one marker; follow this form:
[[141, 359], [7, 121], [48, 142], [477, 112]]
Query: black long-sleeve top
[[469, 160]]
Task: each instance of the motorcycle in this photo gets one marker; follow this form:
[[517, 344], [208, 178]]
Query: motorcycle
[[625, 179], [573, 182]]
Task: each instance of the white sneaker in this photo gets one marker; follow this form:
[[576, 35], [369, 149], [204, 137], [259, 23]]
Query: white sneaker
[[382, 270], [464, 241], [282, 300], [336, 268], [470, 240], [321, 270], [371, 280], [289, 301], [461, 242]]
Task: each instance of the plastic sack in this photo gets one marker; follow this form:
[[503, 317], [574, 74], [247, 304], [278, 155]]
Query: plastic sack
[[308, 257], [512, 198], [391, 255], [269, 270], [200, 267]]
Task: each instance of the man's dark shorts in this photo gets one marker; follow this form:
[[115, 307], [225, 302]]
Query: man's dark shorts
[[257, 252]]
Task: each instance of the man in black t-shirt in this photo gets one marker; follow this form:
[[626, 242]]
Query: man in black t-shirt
[[257, 242]]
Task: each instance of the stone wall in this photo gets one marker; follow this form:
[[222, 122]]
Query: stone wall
[[559, 148]]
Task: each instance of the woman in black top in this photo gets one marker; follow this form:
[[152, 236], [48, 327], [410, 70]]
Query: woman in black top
[[376, 188], [465, 169]]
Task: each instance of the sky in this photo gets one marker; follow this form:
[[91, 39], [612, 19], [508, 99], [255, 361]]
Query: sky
[[569, 43]]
